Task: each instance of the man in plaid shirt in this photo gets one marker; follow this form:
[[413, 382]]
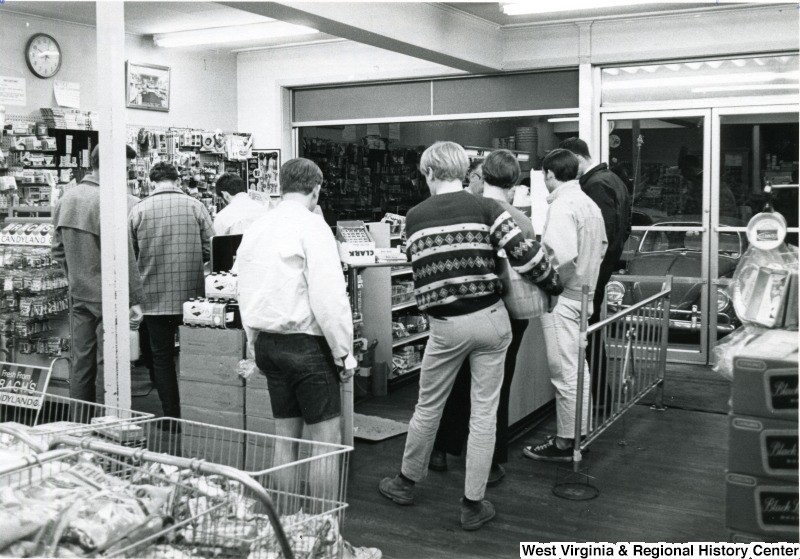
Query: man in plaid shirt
[[171, 234]]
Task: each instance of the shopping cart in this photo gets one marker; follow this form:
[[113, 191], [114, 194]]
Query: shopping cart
[[59, 415], [99, 499], [306, 480]]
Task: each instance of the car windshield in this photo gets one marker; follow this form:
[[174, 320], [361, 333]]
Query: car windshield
[[691, 241]]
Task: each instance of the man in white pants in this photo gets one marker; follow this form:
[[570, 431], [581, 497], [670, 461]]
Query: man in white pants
[[575, 238]]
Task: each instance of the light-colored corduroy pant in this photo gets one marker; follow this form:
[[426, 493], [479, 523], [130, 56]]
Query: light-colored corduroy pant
[[483, 338]]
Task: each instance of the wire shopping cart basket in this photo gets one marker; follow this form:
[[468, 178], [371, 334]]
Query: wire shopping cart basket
[[59, 415], [100, 499], [306, 480]]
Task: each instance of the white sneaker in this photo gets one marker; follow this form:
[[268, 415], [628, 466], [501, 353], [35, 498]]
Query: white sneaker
[[351, 552]]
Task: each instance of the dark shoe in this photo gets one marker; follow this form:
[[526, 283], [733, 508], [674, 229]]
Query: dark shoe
[[496, 475], [548, 451], [397, 490], [473, 518], [438, 461]]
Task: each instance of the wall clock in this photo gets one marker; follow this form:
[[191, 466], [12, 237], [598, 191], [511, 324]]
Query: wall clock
[[43, 55]]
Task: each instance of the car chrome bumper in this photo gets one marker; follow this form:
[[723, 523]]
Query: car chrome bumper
[[677, 320]]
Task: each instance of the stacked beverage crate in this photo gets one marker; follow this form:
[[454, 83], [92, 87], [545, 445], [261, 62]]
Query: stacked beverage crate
[[762, 477]]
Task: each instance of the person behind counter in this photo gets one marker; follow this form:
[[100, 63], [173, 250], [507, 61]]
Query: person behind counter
[[575, 238], [453, 237], [500, 172], [171, 234], [76, 246], [240, 210]]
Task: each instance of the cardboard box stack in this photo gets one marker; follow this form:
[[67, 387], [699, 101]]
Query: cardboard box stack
[[762, 478], [212, 392], [258, 419]]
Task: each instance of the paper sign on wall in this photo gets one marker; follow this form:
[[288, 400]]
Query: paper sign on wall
[[12, 91], [68, 94], [538, 201]]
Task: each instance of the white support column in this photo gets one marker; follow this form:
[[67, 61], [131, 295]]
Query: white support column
[[586, 123], [113, 200]]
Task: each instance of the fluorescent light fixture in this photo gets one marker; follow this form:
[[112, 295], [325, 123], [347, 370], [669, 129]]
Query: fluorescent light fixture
[[762, 87], [540, 7], [688, 81], [563, 119], [233, 34]]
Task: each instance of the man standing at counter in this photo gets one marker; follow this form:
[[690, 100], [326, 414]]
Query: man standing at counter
[[575, 239], [453, 238]]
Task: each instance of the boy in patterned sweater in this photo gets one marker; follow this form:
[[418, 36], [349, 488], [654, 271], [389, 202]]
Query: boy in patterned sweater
[[453, 238]]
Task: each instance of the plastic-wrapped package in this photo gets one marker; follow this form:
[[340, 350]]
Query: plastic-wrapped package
[[764, 296], [762, 284]]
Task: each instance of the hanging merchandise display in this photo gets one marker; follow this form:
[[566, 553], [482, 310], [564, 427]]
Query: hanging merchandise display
[[200, 156]]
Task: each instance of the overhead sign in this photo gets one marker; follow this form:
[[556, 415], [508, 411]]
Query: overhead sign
[[23, 386]]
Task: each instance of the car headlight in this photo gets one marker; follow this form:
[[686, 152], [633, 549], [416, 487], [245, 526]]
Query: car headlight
[[615, 292], [723, 299]]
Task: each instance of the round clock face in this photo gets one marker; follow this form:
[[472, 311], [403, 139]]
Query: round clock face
[[614, 141], [43, 55]]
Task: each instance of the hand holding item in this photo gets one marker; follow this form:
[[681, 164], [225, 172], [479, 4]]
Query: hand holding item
[[346, 374], [135, 316]]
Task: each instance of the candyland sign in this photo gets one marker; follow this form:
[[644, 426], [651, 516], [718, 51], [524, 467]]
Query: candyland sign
[[23, 386], [29, 234]]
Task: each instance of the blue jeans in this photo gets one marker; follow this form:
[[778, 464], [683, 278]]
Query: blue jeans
[[483, 338]]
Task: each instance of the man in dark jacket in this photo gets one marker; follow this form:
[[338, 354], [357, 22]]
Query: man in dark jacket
[[611, 195], [76, 246]]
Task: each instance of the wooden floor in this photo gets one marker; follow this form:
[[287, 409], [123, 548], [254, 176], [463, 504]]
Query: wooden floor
[[660, 476]]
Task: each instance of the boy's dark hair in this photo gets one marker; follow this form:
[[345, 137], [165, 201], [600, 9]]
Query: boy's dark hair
[[300, 175], [230, 183], [576, 146], [500, 168], [164, 171], [563, 163]]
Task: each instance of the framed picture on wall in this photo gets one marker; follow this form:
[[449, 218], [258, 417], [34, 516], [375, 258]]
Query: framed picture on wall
[[263, 170], [147, 86]]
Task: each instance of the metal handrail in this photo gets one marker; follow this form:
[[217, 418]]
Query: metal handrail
[[626, 311], [585, 331]]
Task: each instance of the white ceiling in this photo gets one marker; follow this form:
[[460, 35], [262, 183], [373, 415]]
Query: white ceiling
[[147, 18]]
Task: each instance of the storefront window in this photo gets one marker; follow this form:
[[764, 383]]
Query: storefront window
[[762, 76], [373, 169]]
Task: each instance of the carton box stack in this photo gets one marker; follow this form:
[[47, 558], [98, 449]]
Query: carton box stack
[[762, 478], [258, 419], [212, 392]]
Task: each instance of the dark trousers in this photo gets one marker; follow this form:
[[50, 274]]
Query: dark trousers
[[454, 426], [146, 358], [596, 353], [162, 330], [86, 322]]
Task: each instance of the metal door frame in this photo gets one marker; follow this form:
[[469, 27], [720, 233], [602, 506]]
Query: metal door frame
[[716, 153], [675, 354]]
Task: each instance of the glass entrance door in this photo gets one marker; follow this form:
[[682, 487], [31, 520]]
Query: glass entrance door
[[664, 158], [753, 146]]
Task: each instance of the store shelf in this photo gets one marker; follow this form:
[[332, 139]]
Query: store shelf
[[406, 305], [408, 377], [395, 237], [408, 339], [404, 272]]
